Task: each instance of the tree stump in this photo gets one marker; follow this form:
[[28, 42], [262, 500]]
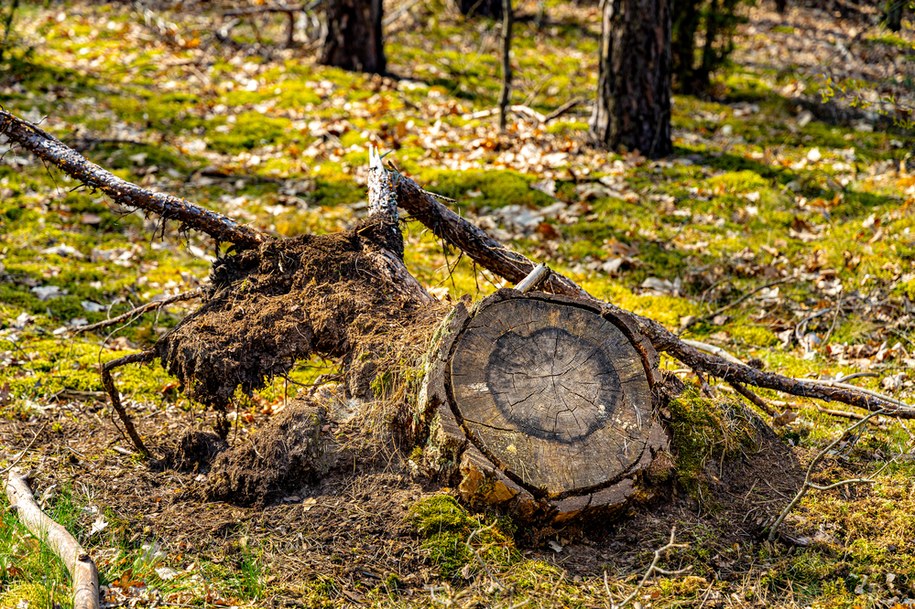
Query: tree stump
[[543, 403]]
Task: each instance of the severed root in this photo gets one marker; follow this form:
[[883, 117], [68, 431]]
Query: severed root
[[140, 310], [74, 557], [108, 382]]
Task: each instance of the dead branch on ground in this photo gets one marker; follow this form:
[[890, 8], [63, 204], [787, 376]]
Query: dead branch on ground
[[79, 564], [808, 485], [512, 266], [50, 150]]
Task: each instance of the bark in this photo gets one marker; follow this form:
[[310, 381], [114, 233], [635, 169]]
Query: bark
[[74, 557], [52, 151], [354, 39], [525, 409], [505, 97], [480, 8], [633, 92]]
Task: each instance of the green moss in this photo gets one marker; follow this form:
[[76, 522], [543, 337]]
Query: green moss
[[702, 432], [452, 538], [738, 182], [753, 335], [249, 130], [485, 189]]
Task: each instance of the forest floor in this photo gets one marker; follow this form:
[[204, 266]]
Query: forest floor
[[782, 229]]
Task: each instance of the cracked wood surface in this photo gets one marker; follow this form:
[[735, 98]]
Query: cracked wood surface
[[554, 394]]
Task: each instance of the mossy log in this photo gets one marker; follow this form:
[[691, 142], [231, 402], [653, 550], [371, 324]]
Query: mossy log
[[543, 404]]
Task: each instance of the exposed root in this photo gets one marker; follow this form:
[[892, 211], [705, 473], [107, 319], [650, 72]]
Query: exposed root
[[108, 382], [294, 450], [269, 308], [140, 310]]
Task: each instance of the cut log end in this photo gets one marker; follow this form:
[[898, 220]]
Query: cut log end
[[547, 403]]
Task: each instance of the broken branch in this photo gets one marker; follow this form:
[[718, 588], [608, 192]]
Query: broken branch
[[39, 524], [53, 151], [108, 383]]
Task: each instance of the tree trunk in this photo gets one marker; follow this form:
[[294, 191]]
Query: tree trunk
[[480, 8], [354, 38], [686, 18], [781, 6], [505, 97], [892, 14], [633, 96]]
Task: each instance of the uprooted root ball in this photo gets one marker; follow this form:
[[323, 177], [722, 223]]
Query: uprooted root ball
[[289, 299]]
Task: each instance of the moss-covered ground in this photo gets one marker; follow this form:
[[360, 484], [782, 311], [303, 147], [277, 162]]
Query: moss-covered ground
[[782, 229]]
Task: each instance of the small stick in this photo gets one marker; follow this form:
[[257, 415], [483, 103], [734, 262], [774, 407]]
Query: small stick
[[140, 310], [61, 542], [535, 277], [562, 109]]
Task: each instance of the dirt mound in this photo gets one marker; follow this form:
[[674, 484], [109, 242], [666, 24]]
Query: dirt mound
[[296, 449], [193, 452]]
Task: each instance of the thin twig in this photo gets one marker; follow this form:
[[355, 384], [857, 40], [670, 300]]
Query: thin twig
[[807, 485], [25, 451], [652, 569], [734, 303], [140, 310]]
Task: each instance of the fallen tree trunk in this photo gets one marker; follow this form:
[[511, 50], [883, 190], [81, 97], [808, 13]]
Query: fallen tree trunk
[[545, 404], [549, 403], [495, 257], [74, 557]]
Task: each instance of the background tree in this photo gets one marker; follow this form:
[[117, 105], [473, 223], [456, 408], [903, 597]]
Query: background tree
[[633, 89], [354, 39], [714, 22], [482, 8], [7, 20], [892, 14]]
